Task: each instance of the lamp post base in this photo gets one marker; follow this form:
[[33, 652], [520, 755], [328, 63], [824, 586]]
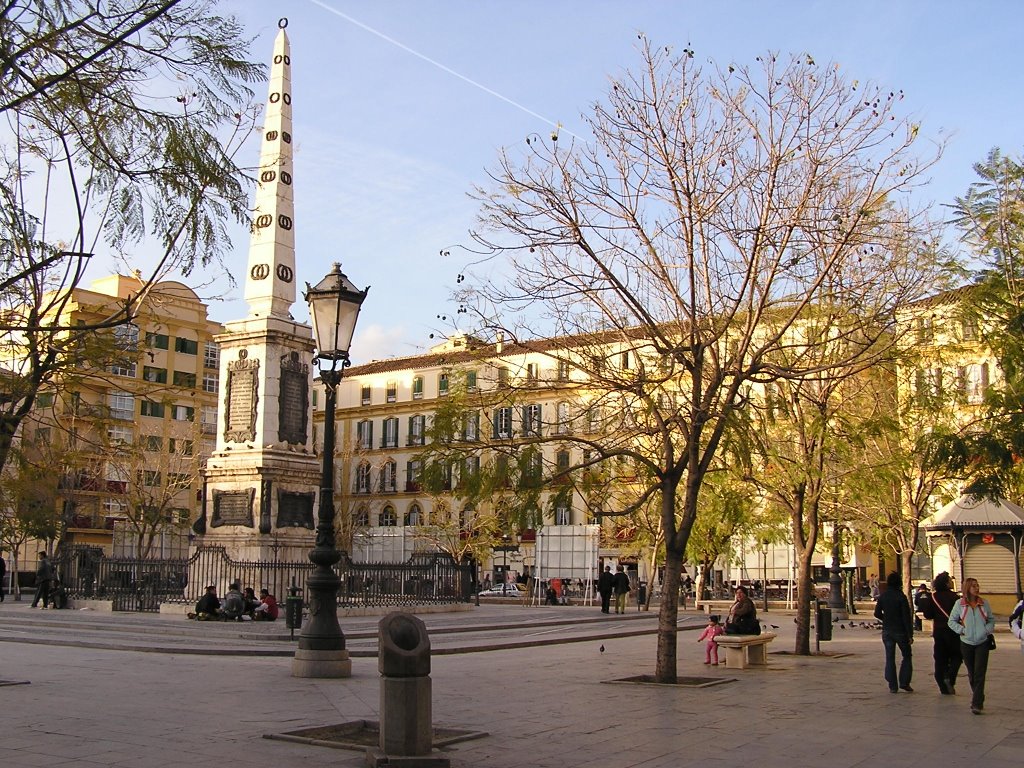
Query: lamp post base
[[324, 664]]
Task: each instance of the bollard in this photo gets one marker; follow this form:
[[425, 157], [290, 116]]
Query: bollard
[[403, 660]]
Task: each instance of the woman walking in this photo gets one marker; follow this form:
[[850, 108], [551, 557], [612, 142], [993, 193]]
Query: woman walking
[[936, 607], [972, 619]]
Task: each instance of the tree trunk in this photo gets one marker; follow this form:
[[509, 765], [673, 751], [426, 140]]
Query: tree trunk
[[668, 617]]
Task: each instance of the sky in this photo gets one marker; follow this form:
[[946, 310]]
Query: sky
[[401, 106]]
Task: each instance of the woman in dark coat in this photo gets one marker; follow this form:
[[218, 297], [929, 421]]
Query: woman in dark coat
[[936, 607], [742, 618]]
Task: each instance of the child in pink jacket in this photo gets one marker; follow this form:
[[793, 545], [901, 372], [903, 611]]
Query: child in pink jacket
[[711, 631]]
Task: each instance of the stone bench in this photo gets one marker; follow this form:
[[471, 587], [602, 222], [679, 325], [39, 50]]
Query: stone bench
[[742, 651]]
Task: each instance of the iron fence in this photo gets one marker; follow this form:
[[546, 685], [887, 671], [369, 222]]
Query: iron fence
[[139, 584]]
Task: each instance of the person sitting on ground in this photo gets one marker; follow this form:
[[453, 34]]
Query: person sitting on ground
[[208, 607], [234, 603], [251, 601], [58, 594], [742, 618], [267, 609]]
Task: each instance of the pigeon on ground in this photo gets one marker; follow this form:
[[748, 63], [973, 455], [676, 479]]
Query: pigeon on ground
[[601, 649]]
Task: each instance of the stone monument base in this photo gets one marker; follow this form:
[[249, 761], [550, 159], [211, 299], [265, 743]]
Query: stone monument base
[[309, 663], [376, 758]]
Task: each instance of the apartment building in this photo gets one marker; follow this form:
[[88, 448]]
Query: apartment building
[[129, 428], [512, 396]]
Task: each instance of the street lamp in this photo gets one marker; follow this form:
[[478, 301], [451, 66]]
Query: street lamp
[[334, 305], [764, 582], [835, 578]]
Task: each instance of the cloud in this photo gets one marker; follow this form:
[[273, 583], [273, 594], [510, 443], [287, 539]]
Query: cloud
[[377, 342]]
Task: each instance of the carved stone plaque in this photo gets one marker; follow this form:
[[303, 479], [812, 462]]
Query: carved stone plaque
[[295, 510], [233, 508], [241, 398], [293, 413]]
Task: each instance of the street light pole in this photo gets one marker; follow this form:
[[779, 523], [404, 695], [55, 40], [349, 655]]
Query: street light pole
[[764, 581], [333, 308], [835, 579]]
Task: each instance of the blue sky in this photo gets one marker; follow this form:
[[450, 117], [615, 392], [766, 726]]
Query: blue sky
[[400, 106]]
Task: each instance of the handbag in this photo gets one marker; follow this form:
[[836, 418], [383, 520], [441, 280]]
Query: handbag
[[991, 642]]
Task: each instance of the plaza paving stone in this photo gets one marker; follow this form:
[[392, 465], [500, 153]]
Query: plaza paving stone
[[549, 706]]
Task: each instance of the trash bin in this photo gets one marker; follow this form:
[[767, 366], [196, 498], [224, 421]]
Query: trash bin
[[641, 596], [824, 621], [293, 610]]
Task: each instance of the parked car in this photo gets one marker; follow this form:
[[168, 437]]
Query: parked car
[[503, 590]]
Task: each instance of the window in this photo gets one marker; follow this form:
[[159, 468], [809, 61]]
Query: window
[[470, 469], [979, 382], [183, 413], [391, 393], [364, 394], [186, 346], [363, 478], [151, 408], [471, 381], [151, 478], [417, 424], [211, 382], [624, 360], [562, 462], [562, 419], [502, 424], [531, 420], [442, 385], [180, 447], [43, 436], [533, 470], [117, 434], [414, 516], [152, 443], [179, 480], [925, 329], [186, 380], [390, 437], [531, 373], [471, 426], [563, 515], [157, 340], [316, 397], [593, 419], [115, 507], [124, 368], [563, 370], [361, 517], [209, 420], [412, 475], [388, 518], [121, 404], [44, 400], [364, 435], [154, 375], [127, 337], [501, 471], [503, 377], [417, 388], [211, 355], [389, 477]]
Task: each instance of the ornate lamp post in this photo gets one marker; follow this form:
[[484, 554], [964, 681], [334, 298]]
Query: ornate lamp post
[[835, 578], [334, 305]]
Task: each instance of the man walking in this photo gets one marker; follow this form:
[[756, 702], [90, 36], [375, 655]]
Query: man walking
[[605, 583], [3, 574], [44, 578], [621, 588], [893, 610]]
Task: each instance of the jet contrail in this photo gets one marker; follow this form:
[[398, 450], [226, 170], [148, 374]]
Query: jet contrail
[[441, 66]]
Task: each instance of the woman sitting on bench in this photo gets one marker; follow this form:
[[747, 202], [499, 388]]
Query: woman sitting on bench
[[742, 618]]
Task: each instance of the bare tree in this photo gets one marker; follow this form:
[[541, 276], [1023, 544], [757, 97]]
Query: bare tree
[[711, 214], [121, 120]]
